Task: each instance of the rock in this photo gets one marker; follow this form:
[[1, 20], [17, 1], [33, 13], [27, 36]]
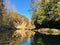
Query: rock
[[44, 29], [55, 32], [49, 31]]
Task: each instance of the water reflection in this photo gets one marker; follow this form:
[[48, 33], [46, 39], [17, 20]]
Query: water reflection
[[7, 38], [24, 38], [18, 37], [40, 39], [27, 43]]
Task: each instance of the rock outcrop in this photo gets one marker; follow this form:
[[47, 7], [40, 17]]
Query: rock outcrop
[[48, 31]]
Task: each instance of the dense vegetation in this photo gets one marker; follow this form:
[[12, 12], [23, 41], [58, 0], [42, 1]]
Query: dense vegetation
[[9, 17], [46, 14]]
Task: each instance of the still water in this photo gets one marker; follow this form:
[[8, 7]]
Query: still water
[[12, 38], [28, 42]]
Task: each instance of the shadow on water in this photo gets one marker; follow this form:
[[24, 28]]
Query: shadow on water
[[41, 39]]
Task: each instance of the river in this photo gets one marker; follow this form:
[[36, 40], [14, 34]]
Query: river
[[26, 37]]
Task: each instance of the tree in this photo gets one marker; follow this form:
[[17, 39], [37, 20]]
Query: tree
[[2, 12], [47, 14]]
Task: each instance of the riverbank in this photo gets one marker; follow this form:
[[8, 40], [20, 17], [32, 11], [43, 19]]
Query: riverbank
[[48, 31]]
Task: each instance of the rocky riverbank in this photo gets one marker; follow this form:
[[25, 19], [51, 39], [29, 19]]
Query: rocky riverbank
[[48, 31]]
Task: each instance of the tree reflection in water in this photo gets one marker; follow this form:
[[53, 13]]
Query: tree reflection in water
[[7, 38], [10, 37], [40, 39]]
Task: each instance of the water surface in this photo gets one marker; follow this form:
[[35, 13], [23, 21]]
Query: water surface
[[27, 38]]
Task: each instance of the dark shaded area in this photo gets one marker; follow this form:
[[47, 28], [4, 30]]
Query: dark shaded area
[[48, 24], [6, 37], [37, 25], [6, 27], [41, 39]]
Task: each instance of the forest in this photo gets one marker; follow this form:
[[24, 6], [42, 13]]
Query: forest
[[9, 18], [45, 14], [18, 29]]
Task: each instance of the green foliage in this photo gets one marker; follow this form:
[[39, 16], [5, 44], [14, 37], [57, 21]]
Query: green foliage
[[48, 10]]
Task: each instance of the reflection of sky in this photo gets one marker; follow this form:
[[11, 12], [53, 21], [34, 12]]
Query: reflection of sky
[[28, 42]]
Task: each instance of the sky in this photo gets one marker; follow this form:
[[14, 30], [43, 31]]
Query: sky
[[22, 7]]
